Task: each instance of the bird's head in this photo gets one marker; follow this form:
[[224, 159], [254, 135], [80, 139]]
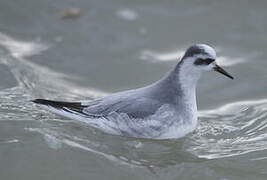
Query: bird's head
[[200, 58]]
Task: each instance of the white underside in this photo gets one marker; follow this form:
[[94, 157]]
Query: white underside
[[164, 124]]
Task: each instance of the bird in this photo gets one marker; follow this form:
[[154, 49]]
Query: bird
[[165, 109]]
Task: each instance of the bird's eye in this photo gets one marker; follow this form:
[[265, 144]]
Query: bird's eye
[[201, 61], [209, 60]]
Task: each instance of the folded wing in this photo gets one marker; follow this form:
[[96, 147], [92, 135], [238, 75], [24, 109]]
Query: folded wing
[[133, 107]]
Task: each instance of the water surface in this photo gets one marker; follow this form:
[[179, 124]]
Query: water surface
[[117, 45]]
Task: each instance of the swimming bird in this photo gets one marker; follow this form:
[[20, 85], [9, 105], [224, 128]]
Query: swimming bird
[[165, 109]]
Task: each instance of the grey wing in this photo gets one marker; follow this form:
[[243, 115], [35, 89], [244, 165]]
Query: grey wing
[[135, 104], [134, 107]]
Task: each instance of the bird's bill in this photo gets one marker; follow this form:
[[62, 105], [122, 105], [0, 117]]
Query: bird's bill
[[222, 71]]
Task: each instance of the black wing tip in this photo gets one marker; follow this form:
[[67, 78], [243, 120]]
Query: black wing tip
[[40, 101], [46, 102], [75, 106]]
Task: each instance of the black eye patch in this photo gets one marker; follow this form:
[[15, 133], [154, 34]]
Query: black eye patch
[[207, 61]]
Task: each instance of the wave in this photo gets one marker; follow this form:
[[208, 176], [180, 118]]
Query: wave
[[30, 75], [231, 130]]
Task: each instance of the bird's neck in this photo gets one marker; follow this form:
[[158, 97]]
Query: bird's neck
[[187, 84], [179, 85], [186, 80], [187, 76]]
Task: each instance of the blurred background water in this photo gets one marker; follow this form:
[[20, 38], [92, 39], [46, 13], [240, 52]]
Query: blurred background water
[[76, 50]]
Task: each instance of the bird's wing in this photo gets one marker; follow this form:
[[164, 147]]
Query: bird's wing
[[139, 107], [134, 107]]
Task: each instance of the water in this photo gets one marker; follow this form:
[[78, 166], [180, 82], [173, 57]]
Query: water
[[117, 45]]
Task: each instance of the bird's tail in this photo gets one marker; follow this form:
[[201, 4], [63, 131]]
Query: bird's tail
[[67, 109]]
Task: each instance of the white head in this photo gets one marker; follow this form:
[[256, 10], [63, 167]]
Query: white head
[[196, 60]]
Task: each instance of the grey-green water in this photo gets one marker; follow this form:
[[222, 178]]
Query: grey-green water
[[116, 45]]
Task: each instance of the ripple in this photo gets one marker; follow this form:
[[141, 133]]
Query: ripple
[[231, 130], [9, 141], [30, 75], [19, 49], [223, 132]]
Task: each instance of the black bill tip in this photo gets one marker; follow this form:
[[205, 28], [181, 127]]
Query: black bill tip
[[222, 71]]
